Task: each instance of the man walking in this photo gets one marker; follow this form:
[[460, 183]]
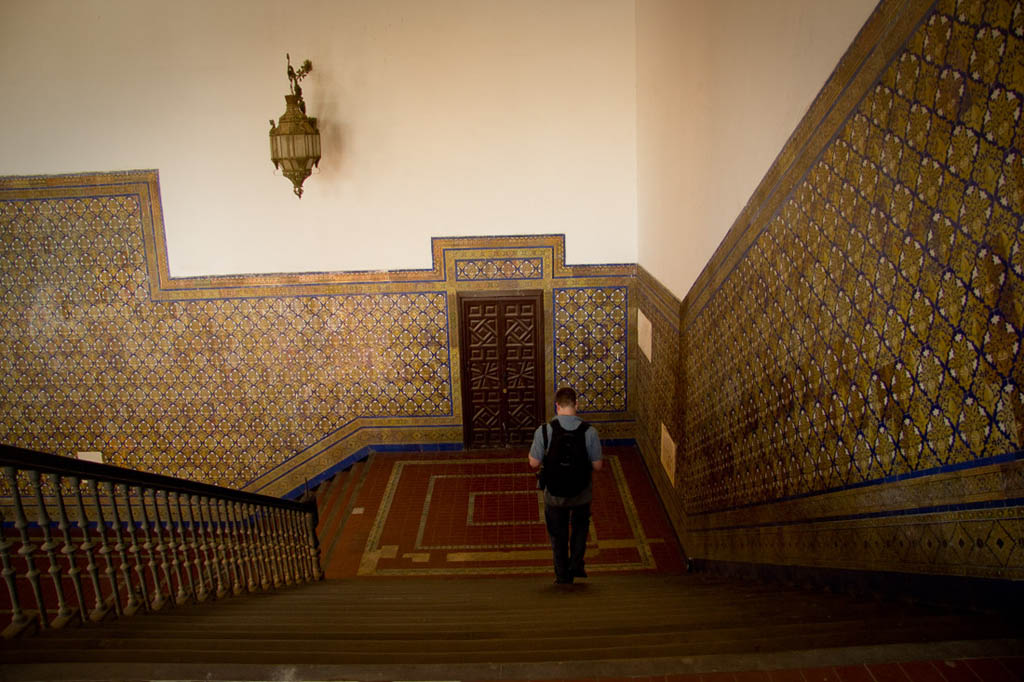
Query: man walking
[[569, 450]]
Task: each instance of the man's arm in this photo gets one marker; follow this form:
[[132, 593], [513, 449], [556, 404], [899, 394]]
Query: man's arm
[[536, 455], [594, 449]]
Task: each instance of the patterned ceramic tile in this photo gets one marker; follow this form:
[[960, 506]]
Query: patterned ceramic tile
[[846, 374], [474, 269], [265, 381], [591, 344], [103, 368], [874, 325]]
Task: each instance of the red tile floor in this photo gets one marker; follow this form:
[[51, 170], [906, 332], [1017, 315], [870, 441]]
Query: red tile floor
[[480, 513]]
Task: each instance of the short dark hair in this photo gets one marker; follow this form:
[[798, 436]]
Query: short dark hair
[[565, 397]]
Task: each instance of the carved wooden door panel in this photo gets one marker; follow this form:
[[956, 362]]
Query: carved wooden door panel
[[502, 369]]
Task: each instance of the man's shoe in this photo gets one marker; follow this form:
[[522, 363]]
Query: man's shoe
[[563, 581], [579, 573]]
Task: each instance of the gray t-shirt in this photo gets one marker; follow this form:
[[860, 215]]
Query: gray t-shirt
[[569, 422]]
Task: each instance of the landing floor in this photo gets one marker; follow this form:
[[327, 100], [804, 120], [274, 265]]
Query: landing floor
[[480, 513]]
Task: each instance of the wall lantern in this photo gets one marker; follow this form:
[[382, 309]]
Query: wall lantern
[[295, 140]]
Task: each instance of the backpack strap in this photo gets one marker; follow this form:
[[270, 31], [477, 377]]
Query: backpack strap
[[582, 430], [554, 424]]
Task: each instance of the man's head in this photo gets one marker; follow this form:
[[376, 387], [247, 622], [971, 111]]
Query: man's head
[[565, 401]]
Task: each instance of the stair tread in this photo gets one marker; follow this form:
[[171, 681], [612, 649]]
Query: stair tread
[[507, 620], [360, 652], [508, 638]]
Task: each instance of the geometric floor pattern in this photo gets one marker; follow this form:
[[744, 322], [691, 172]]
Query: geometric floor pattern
[[480, 513]]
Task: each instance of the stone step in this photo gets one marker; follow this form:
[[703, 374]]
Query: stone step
[[327, 501], [336, 506], [642, 614], [409, 653], [399, 624], [259, 636]]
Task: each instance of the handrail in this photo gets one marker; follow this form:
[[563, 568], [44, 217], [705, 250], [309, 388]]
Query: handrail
[[55, 464], [115, 541]]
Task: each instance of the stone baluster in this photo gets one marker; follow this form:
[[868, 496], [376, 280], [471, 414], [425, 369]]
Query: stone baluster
[[161, 549], [132, 605], [201, 592], [295, 558], [252, 532], [278, 543], [294, 519], [284, 542], [229, 544], [214, 559], [186, 547], [313, 544], [134, 549], [68, 550], [206, 547], [242, 513], [101, 609], [147, 545], [27, 548], [268, 546], [265, 547], [20, 621], [64, 612], [238, 543], [182, 546], [105, 549]]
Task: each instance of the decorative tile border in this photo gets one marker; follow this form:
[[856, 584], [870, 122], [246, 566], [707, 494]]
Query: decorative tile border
[[496, 269]]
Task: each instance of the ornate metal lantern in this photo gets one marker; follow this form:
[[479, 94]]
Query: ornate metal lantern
[[295, 140]]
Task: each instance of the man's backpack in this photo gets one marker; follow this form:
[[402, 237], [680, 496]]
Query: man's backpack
[[567, 468]]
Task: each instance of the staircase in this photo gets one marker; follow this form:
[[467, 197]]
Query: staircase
[[335, 501], [507, 628], [613, 625]]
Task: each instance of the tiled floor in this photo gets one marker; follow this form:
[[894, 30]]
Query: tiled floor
[[479, 513]]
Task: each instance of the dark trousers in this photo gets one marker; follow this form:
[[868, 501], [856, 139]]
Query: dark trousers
[[568, 528]]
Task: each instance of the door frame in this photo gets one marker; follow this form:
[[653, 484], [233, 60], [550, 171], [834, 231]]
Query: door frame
[[539, 295]]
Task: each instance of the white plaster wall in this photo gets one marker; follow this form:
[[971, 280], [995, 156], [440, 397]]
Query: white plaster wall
[[438, 118], [720, 88]]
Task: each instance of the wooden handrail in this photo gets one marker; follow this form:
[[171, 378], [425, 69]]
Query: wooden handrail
[[66, 466], [131, 541]]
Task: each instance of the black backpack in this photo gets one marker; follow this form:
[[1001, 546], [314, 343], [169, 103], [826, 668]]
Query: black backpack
[[567, 466]]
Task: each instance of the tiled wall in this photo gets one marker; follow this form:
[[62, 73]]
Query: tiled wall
[[846, 378], [843, 383], [591, 341], [256, 382]]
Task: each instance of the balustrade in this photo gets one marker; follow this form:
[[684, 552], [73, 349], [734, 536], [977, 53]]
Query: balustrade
[[114, 541]]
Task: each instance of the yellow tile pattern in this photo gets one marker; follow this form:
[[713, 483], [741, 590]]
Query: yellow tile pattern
[[873, 329], [847, 389], [259, 382]]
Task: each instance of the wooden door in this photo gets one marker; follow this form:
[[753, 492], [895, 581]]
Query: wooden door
[[502, 368]]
